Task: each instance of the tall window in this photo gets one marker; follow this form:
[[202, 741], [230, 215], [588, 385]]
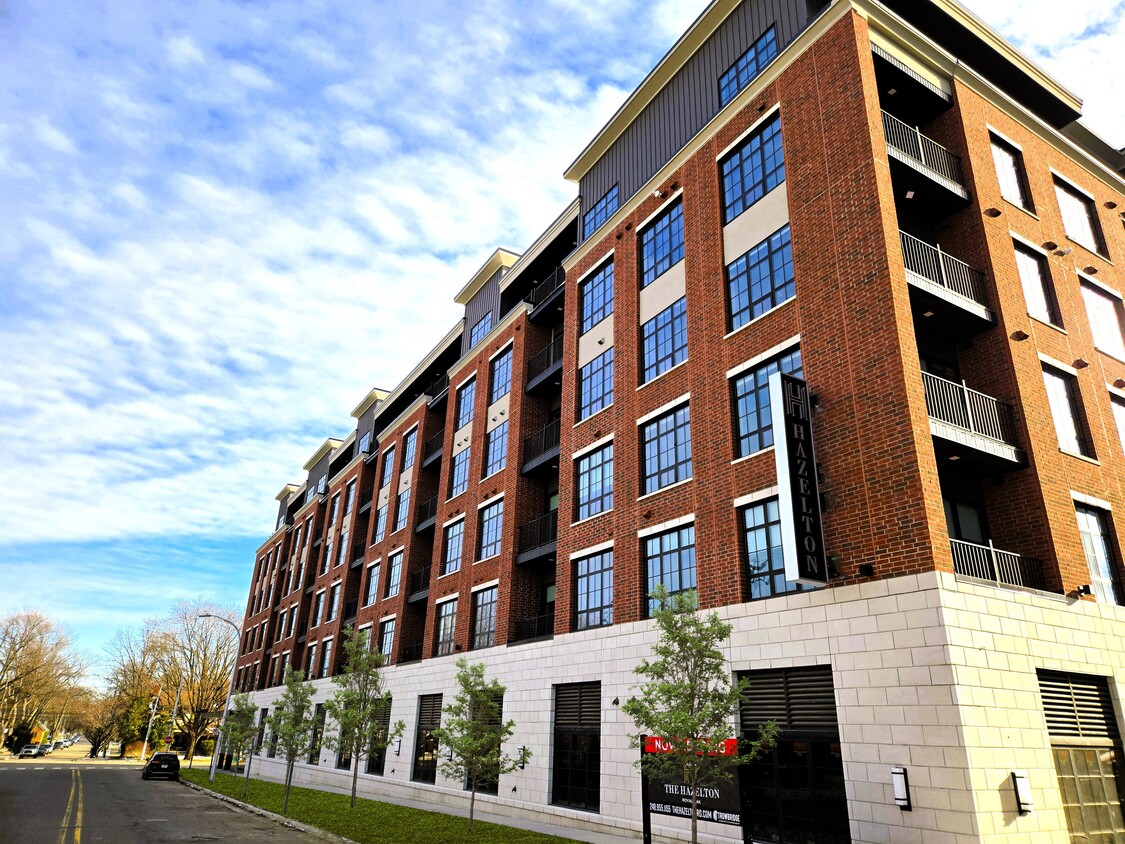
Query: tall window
[[595, 482], [388, 467], [334, 510], [491, 529], [484, 619], [402, 510], [1010, 173], [349, 498], [1035, 276], [761, 279], [500, 376], [377, 757], [596, 297], [664, 339], [1093, 526], [452, 542], [483, 326], [387, 640], [409, 449], [752, 170], [459, 473], [372, 593], [662, 244], [326, 658], [466, 398], [670, 560], [380, 523], [326, 560], [446, 626], [394, 573], [496, 449], [599, 212], [1118, 405], [747, 66], [593, 590], [334, 602], [1062, 395], [310, 661], [1104, 312], [319, 715], [595, 384], [666, 442], [425, 742], [576, 767], [318, 609], [761, 526], [1080, 217], [751, 398], [345, 548]]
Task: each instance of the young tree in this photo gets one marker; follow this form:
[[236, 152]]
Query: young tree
[[687, 699], [359, 703], [240, 732], [292, 723], [473, 731]]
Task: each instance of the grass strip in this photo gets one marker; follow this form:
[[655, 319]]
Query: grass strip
[[370, 822]]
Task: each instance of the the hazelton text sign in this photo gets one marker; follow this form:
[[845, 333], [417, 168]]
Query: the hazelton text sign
[[802, 536], [715, 802]]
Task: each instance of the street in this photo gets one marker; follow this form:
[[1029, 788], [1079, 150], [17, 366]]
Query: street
[[68, 799]]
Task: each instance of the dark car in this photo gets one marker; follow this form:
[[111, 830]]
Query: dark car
[[162, 765]]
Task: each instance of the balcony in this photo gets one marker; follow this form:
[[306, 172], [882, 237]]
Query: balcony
[[365, 496], [433, 448], [922, 165], [350, 608], [545, 366], [410, 653], [438, 390], [986, 562], [546, 297], [542, 448], [539, 627], [418, 588], [944, 280], [967, 419], [426, 515], [538, 538]]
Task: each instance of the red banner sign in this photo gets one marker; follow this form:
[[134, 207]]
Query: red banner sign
[[656, 744]]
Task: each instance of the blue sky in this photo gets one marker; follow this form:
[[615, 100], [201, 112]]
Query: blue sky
[[222, 223]]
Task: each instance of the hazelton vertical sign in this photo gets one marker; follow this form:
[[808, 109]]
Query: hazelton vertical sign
[[802, 534]]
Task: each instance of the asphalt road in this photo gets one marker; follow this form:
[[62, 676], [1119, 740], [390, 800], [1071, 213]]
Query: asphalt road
[[72, 800]]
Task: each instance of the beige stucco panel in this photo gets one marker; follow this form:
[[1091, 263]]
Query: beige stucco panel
[[756, 223], [497, 413], [595, 341], [664, 290]]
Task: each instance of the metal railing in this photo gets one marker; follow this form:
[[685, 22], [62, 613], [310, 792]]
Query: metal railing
[[438, 387], [942, 269], [365, 496], [426, 510], [419, 580], [545, 359], [534, 628], [542, 440], [433, 445], [958, 405], [929, 153], [990, 563], [539, 532], [545, 288], [350, 608], [410, 653]]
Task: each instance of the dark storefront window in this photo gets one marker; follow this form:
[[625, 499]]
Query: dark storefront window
[[425, 743], [576, 769]]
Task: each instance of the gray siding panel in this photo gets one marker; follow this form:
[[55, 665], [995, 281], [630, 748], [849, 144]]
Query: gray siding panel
[[487, 300]]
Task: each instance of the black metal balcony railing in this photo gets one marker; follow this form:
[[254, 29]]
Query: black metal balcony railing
[[545, 359], [433, 445], [410, 653], [542, 441], [365, 496], [942, 269], [540, 532], [545, 288], [958, 405], [990, 563], [534, 628], [427, 510], [419, 580], [925, 151], [350, 608], [438, 387]]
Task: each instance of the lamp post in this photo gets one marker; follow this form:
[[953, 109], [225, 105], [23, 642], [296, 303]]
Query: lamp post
[[230, 689]]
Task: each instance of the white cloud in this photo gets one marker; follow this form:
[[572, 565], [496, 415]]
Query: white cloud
[[183, 52], [52, 137]]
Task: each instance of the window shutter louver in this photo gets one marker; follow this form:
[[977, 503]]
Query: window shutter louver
[[793, 698], [429, 712], [578, 705], [1077, 706]]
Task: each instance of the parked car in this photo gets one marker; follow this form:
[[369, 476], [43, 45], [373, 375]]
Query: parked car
[[163, 764], [29, 750], [59, 745]]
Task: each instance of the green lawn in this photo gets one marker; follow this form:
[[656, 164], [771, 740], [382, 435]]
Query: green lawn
[[370, 822]]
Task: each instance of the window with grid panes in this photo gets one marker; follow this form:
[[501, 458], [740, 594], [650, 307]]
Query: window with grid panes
[[381, 523], [1118, 405], [376, 755], [662, 243], [481, 329], [664, 340], [446, 626], [1080, 217], [325, 658], [334, 602], [1035, 278], [596, 297], [1066, 411], [372, 592], [319, 716], [318, 609], [761, 279], [452, 540], [599, 212], [496, 449], [349, 498], [491, 530], [459, 473], [747, 66], [576, 764], [595, 384], [409, 449], [751, 398], [666, 447], [595, 482], [388, 467], [402, 509], [751, 171], [484, 619], [1104, 312], [1010, 173], [669, 560], [394, 573], [1093, 527], [761, 532], [466, 398], [387, 640], [593, 591], [500, 376], [334, 509], [345, 548]]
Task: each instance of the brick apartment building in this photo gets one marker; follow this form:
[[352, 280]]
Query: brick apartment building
[[883, 198]]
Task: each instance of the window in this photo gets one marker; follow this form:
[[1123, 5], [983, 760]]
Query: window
[[292, 620], [459, 473], [761, 526], [446, 626], [466, 397], [326, 560], [1035, 276], [662, 244], [280, 627], [761, 279], [1104, 312], [260, 739], [381, 523], [496, 449], [664, 339], [387, 640], [1062, 395], [326, 658], [334, 602], [1118, 405], [483, 326], [1093, 526], [670, 560], [595, 482], [751, 399], [377, 756], [484, 619], [748, 66], [666, 442], [365, 443], [451, 547], [425, 742], [596, 297], [318, 609], [308, 529], [601, 211], [1010, 173], [319, 714], [500, 376], [334, 510], [595, 384], [372, 592], [344, 549], [752, 170], [1080, 217], [349, 498], [576, 766], [394, 573], [402, 510], [491, 528], [594, 590], [409, 449]]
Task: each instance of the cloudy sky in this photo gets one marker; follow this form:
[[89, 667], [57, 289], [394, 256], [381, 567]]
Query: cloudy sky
[[222, 223]]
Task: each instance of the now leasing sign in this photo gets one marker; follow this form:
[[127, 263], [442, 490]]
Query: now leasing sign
[[802, 535], [715, 802]]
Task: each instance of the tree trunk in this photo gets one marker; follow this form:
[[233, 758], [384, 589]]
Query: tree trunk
[[288, 783], [472, 803], [694, 815], [355, 775], [191, 751], [246, 784]]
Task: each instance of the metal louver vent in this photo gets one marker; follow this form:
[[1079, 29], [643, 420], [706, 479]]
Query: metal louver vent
[[1077, 706], [429, 712], [578, 705], [794, 698]]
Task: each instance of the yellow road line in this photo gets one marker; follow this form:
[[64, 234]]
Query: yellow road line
[[78, 812], [69, 806]]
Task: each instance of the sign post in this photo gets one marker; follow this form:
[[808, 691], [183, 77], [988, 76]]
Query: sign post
[[718, 803], [646, 816]]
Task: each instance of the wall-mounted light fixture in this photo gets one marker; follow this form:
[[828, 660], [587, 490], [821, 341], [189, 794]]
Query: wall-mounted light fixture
[[398, 747], [900, 784], [1023, 792], [1062, 253], [449, 755], [1084, 589], [523, 764]]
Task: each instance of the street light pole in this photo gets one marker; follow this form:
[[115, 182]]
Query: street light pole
[[230, 690]]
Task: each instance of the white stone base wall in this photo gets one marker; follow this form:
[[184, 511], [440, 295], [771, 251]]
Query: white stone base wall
[[930, 672]]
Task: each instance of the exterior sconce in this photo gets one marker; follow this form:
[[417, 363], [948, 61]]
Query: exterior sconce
[[1023, 792], [900, 783], [398, 747], [1084, 589], [1062, 253], [1020, 336], [992, 212], [522, 764], [449, 755]]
